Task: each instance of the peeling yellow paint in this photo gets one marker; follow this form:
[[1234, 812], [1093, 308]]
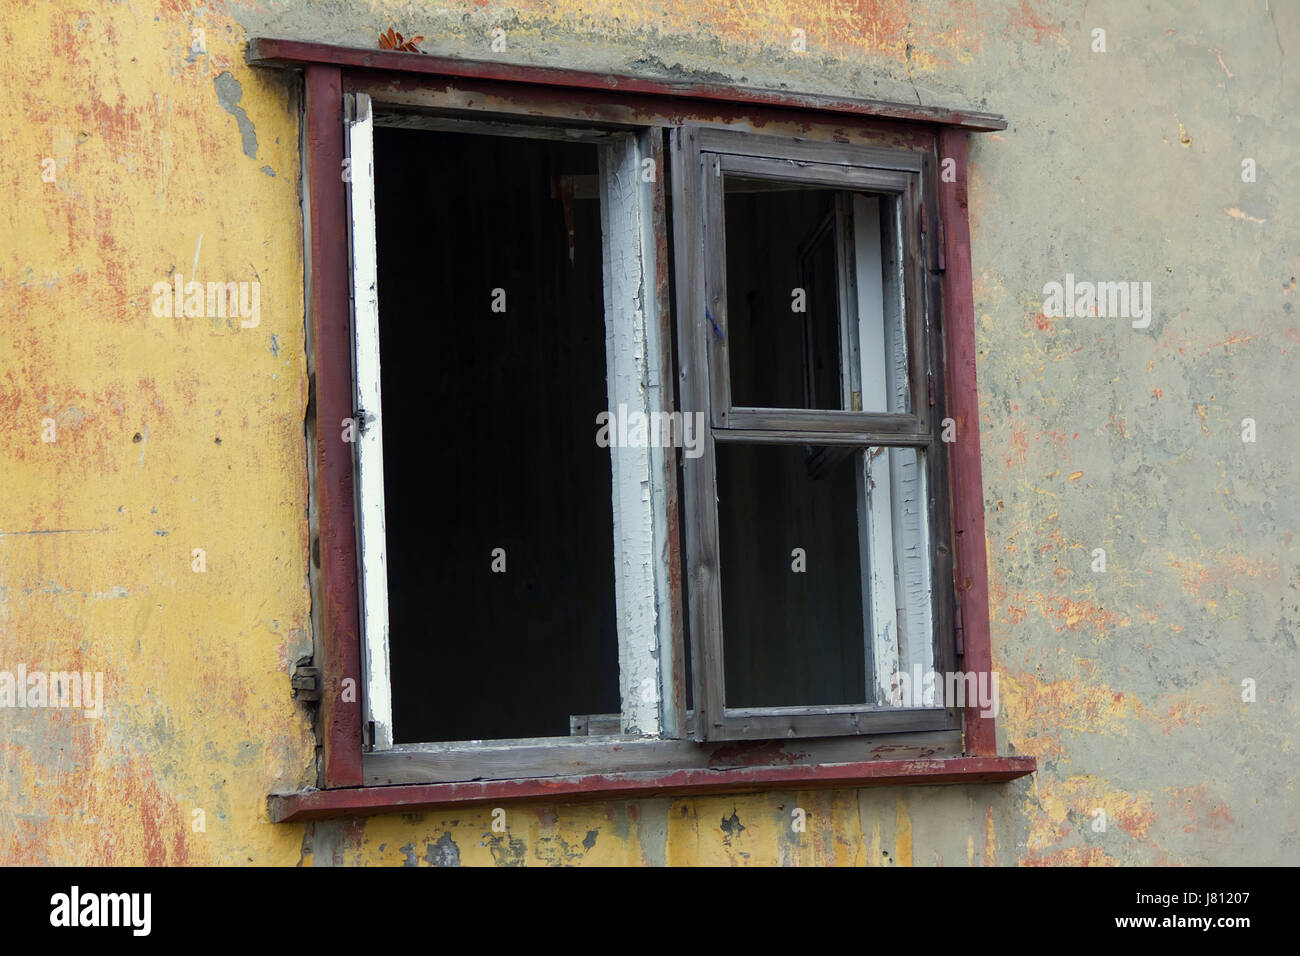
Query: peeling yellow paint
[[903, 834]]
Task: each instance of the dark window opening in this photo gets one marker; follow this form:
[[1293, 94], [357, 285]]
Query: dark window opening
[[823, 549], [489, 436], [769, 225], [802, 264]]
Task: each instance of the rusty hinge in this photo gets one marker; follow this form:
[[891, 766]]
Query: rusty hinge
[[305, 681], [929, 386], [957, 629], [937, 237]]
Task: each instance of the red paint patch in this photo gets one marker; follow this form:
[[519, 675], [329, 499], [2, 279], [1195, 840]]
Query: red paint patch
[[1028, 19]]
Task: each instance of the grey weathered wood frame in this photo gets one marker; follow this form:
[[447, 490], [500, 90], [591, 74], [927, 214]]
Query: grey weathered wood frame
[[548, 757], [701, 158]]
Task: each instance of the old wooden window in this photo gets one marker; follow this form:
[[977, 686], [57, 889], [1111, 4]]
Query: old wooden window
[[818, 549], [773, 264]]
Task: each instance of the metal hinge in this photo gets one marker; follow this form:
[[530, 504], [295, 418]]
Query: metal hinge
[[957, 629], [305, 681], [929, 385]]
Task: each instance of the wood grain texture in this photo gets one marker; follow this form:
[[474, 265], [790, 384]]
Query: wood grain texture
[[550, 757]]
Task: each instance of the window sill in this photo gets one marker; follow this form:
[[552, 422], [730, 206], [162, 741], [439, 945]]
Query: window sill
[[415, 798]]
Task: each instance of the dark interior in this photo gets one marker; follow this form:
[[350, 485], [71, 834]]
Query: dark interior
[[789, 638], [489, 436], [780, 238]]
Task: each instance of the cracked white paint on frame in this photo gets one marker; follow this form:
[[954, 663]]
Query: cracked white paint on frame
[[895, 537], [369, 429], [634, 380]]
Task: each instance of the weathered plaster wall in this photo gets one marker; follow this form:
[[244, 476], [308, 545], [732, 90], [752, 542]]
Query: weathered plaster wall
[[176, 434]]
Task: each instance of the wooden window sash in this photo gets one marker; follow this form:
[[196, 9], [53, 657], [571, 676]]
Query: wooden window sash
[[650, 654], [701, 158], [367, 425]]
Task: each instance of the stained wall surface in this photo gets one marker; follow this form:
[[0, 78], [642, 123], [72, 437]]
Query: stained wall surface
[[173, 434]]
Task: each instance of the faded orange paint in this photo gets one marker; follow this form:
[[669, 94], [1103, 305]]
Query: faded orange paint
[[915, 37], [1071, 615], [1030, 17], [1019, 447], [990, 839], [1220, 575]]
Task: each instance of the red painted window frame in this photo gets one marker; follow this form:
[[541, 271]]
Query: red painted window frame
[[342, 789]]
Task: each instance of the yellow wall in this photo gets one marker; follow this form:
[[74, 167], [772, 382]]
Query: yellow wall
[[1125, 686]]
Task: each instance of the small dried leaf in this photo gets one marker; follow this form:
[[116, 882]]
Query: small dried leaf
[[392, 40]]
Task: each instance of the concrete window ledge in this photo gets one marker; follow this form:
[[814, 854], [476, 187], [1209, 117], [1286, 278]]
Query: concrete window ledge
[[414, 798]]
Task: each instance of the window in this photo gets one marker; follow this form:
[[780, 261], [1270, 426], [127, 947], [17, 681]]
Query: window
[[817, 521], [626, 417]]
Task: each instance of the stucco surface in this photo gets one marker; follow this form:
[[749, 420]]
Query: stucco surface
[[182, 433]]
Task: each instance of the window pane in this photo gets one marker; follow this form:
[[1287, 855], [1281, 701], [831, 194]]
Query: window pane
[[489, 436], [825, 573], [815, 315], [792, 588], [877, 277]]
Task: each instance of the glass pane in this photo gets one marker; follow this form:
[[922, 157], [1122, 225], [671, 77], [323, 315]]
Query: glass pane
[[826, 575], [815, 315], [792, 589]]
